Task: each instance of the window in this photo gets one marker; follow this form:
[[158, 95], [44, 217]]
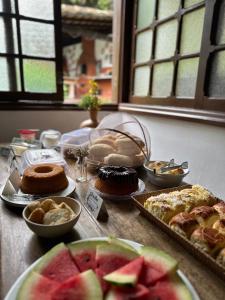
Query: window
[[178, 53], [30, 51]]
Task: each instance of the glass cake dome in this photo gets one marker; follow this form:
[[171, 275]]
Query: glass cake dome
[[119, 139]]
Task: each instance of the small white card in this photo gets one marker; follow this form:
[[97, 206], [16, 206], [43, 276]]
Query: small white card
[[93, 202]]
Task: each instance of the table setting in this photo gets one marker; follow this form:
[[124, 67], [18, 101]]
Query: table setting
[[52, 206]]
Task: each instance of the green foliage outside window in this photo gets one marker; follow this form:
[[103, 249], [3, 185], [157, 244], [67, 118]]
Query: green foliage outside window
[[100, 4]]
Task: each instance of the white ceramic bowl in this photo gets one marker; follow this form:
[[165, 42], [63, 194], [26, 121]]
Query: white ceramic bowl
[[52, 231], [165, 180]]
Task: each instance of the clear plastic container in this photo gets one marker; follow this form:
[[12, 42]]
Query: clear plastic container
[[41, 156], [73, 140]]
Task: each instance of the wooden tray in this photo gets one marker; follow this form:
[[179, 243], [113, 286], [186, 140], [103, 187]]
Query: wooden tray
[[202, 256]]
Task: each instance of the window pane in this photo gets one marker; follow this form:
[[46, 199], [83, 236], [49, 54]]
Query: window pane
[[37, 39], [146, 10], [9, 79], [141, 81], [8, 6], [10, 45], [217, 79], [167, 8], [162, 79], [166, 36], [42, 9], [144, 46], [220, 33], [186, 77], [188, 3], [39, 76], [191, 35]]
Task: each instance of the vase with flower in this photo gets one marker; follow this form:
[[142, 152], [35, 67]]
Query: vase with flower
[[92, 103]]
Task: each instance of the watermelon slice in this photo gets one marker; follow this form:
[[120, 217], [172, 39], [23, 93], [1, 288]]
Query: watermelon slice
[[171, 288], [36, 286], [84, 253], [112, 257], [156, 266], [57, 264], [138, 292], [128, 274], [84, 286]]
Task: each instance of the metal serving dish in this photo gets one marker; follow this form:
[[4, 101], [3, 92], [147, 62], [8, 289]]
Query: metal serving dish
[[165, 180]]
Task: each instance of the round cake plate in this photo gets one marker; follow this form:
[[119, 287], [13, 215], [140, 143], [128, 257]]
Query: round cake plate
[[12, 294], [141, 188], [23, 202]]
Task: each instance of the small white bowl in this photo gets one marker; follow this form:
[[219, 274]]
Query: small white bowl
[[52, 231], [165, 180]]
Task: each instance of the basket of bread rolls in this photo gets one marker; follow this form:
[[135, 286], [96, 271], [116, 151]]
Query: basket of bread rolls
[[120, 140]]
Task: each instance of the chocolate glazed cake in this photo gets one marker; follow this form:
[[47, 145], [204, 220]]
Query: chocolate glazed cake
[[117, 180]]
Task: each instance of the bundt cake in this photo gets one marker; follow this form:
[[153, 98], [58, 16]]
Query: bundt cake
[[43, 179], [117, 180]]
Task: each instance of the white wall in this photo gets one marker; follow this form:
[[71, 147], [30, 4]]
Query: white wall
[[63, 121], [203, 146]]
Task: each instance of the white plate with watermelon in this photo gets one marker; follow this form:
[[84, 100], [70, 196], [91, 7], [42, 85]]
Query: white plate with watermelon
[[103, 268]]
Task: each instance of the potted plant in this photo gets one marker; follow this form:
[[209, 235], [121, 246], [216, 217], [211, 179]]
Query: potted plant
[[92, 103]]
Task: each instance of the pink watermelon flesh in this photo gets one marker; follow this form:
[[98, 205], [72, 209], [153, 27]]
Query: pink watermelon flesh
[[79, 287], [86, 260], [84, 254], [151, 272], [60, 267], [105, 285], [73, 288], [109, 263], [44, 288], [127, 274], [36, 287], [163, 290], [139, 292]]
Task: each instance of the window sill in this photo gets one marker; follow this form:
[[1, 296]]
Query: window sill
[[50, 106], [188, 114]]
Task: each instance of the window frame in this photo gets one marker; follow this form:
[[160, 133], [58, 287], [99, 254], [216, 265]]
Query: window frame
[[205, 109], [12, 97]]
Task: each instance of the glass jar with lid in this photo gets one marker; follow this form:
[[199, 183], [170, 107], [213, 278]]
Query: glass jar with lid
[[50, 138]]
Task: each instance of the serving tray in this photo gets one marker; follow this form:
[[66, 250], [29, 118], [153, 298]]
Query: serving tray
[[202, 256]]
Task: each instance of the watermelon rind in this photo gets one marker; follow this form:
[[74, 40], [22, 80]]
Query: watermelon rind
[[27, 289], [154, 255], [49, 256], [94, 290], [120, 278], [115, 249], [75, 248], [181, 289], [119, 242]]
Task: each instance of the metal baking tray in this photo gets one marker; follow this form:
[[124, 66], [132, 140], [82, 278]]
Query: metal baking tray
[[202, 256]]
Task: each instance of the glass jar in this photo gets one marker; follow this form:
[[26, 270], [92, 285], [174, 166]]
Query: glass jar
[[50, 138]]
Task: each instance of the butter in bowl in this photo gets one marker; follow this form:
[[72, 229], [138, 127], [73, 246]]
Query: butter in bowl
[[52, 217], [166, 174]]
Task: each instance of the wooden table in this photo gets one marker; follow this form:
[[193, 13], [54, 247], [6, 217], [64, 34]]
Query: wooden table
[[20, 247]]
